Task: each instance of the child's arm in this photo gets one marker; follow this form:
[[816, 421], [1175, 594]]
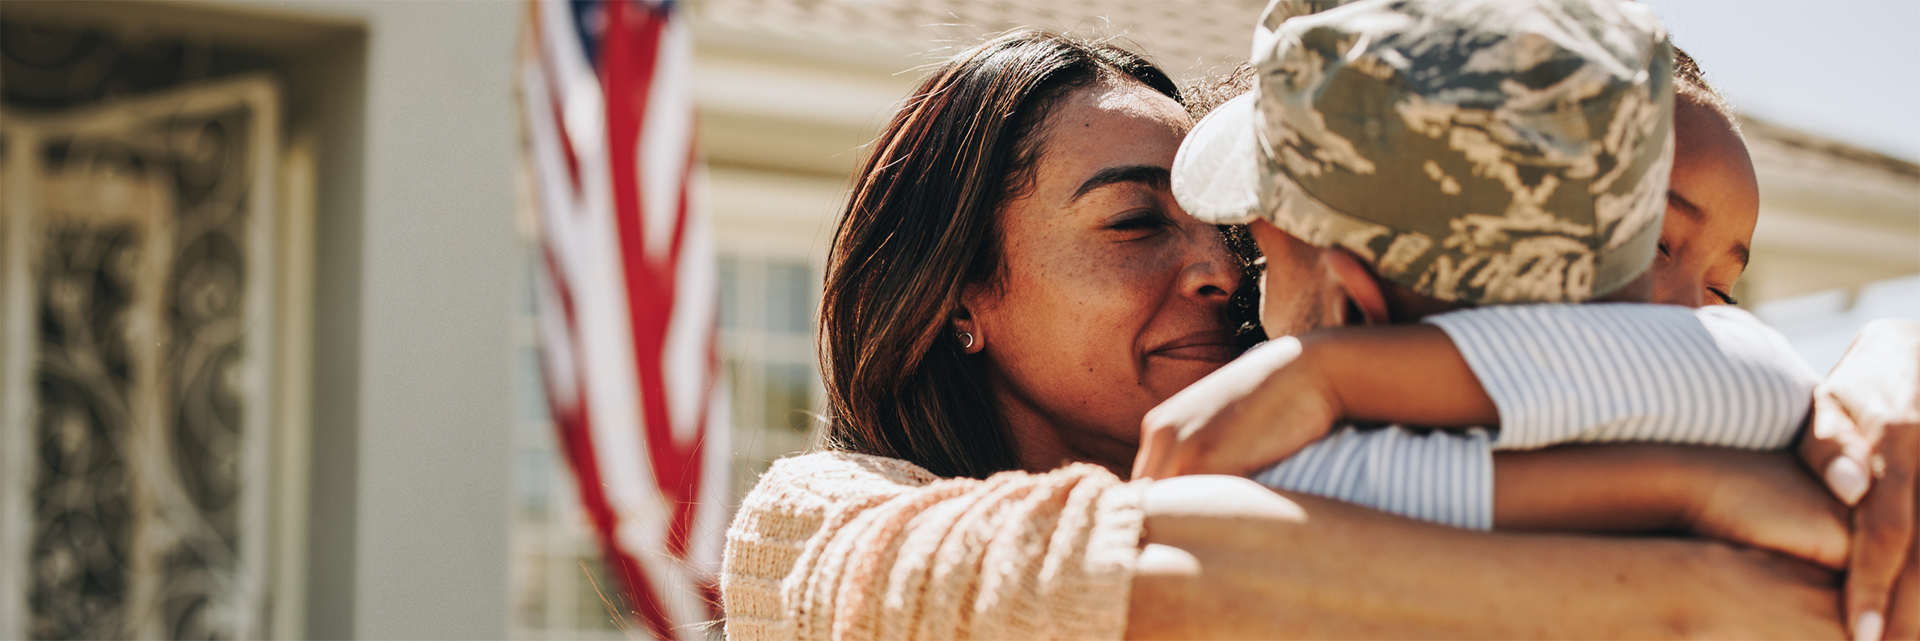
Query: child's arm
[[1548, 374], [1442, 477], [1633, 372], [1758, 499], [1286, 393]]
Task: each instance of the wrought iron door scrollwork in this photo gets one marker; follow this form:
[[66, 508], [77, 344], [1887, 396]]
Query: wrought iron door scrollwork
[[144, 372], [83, 513]]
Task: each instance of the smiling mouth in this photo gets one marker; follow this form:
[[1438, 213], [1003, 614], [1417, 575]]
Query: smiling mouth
[[1214, 346]]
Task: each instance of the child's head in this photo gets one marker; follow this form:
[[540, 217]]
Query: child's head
[[1448, 153], [1713, 198]]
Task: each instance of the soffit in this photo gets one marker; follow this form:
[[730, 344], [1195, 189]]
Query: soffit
[[1188, 38]]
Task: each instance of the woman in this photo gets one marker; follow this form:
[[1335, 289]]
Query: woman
[[1010, 247]]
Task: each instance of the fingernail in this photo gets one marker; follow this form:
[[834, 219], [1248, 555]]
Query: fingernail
[[1848, 480], [1868, 626]]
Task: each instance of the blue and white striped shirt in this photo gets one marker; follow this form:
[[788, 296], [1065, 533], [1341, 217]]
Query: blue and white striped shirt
[[1569, 374]]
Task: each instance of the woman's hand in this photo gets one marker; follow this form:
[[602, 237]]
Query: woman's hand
[[1866, 443], [1755, 499]]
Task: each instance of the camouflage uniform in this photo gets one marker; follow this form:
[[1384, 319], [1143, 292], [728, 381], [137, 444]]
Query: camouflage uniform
[[1479, 151]]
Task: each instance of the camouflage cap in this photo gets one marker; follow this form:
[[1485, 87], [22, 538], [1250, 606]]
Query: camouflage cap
[[1479, 151]]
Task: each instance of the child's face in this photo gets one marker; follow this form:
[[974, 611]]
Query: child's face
[[1713, 202]]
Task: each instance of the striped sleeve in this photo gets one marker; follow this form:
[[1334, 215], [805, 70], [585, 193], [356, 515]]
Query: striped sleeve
[[1633, 372], [1443, 477]]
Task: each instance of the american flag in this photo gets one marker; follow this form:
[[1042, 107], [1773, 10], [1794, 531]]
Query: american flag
[[628, 297]]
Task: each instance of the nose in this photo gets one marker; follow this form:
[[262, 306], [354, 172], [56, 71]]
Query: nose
[[1212, 272], [1676, 285]]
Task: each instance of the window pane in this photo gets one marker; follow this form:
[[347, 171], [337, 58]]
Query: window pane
[[789, 396], [535, 481], [598, 601], [729, 284], [789, 298]]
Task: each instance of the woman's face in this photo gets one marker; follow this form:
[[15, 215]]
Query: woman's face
[[1110, 297], [1713, 202]]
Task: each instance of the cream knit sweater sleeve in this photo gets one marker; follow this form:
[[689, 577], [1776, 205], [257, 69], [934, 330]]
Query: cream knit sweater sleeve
[[848, 546]]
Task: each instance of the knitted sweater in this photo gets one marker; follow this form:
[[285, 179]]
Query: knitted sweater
[[849, 546]]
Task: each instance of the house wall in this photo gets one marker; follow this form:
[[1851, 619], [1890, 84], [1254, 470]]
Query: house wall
[[414, 297], [407, 111], [1827, 222], [415, 257]]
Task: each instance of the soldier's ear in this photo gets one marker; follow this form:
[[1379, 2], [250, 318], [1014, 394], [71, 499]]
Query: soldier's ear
[[1361, 287]]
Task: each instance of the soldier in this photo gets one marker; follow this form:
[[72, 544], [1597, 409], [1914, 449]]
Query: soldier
[[1436, 156]]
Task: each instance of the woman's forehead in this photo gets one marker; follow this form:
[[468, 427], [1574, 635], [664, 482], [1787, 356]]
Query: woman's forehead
[[1135, 98], [1121, 98], [1110, 125]]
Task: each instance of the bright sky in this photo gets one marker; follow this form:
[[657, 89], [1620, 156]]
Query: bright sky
[[1844, 69]]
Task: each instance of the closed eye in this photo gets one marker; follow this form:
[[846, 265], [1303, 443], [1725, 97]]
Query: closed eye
[[1141, 221], [1725, 298]]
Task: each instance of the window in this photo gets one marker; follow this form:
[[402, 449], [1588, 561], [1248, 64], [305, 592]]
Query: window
[[767, 340], [560, 588], [558, 581]]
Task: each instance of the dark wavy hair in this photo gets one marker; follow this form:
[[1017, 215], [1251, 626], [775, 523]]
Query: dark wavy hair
[[922, 223]]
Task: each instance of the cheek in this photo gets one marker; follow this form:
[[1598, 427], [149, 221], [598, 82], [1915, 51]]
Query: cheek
[[1066, 311]]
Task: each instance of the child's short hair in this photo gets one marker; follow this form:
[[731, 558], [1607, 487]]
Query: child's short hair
[[1690, 83]]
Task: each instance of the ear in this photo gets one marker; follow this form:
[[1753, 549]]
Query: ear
[[1360, 285], [961, 322]]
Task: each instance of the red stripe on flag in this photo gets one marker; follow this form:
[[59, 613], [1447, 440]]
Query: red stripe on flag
[[554, 94], [629, 60], [566, 141], [570, 418]]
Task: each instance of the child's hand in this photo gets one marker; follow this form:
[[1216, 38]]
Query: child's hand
[[1266, 405], [1764, 500], [1256, 410]]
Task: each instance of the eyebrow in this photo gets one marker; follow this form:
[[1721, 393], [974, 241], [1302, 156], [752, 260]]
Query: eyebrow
[[1150, 176], [1685, 206], [1741, 253]]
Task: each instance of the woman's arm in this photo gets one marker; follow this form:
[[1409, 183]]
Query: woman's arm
[[1226, 558], [838, 545]]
